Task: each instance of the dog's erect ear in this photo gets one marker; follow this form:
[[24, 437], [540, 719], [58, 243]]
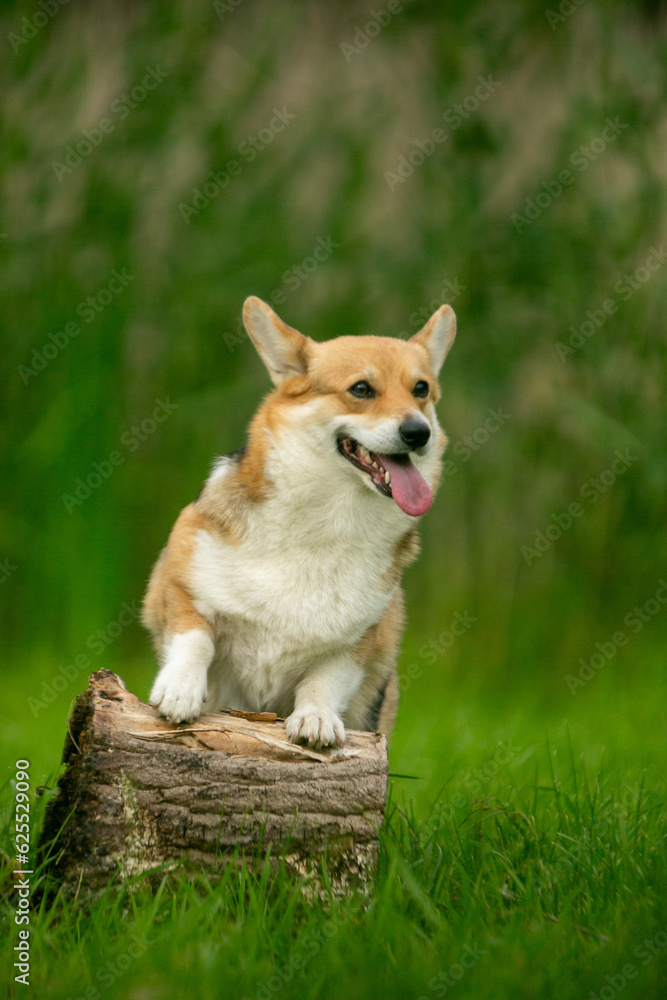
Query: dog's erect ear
[[437, 336], [283, 350]]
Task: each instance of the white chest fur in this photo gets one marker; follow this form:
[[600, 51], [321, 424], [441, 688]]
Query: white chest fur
[[307, 597], [310, 576], [298, 589]]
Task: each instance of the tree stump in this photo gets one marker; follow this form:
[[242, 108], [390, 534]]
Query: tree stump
[[139, 794]]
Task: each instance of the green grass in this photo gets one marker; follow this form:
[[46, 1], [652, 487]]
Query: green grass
[[530, 845]]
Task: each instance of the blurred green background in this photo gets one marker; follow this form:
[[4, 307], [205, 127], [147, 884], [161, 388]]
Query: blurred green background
[[321, 122]]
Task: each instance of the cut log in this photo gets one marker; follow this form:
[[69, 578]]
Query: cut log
[[140, 794]]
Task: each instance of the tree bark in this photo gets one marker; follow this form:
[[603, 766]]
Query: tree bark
[[139, 795]]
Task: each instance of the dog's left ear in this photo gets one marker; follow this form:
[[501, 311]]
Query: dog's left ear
[[283, 350], [437, 336]]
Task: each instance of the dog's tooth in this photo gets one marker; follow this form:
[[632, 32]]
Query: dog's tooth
[[375, 465], [364, 451], [387, 478]]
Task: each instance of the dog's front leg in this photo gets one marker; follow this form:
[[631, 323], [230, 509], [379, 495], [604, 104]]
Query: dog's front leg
[[180, 687], [320, 700]]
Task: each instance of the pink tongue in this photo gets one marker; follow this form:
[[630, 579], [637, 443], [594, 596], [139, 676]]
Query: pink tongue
[[409, 489]]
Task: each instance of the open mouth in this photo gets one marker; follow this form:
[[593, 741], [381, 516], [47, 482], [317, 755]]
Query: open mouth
[[393, 476]]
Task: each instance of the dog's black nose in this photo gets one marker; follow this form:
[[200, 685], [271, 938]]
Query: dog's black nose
[[415, 432]]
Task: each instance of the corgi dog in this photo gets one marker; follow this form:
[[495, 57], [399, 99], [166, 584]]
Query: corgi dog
[[279, 588]]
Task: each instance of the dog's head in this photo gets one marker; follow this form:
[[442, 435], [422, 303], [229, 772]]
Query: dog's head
[[369, 401]]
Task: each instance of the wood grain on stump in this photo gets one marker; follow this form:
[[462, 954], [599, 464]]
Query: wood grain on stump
[[139, 793]]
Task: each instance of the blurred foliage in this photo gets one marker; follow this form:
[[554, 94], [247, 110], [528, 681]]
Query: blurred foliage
[[399, 249]]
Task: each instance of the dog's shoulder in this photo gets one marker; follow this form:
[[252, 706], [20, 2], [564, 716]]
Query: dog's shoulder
[[223, 499]]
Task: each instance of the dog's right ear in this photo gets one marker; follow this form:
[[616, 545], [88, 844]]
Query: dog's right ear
[[283, 350]]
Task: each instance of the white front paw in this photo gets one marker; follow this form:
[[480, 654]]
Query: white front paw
[[318, 727], [179, 699]]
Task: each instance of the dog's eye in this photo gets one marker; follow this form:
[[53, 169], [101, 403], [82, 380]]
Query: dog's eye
[[421, 389], [362, 389]]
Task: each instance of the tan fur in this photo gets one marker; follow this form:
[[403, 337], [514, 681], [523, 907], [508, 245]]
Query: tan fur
[[405, 553], [168, 607], [389, 707], [393, 365], [377, 653]]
